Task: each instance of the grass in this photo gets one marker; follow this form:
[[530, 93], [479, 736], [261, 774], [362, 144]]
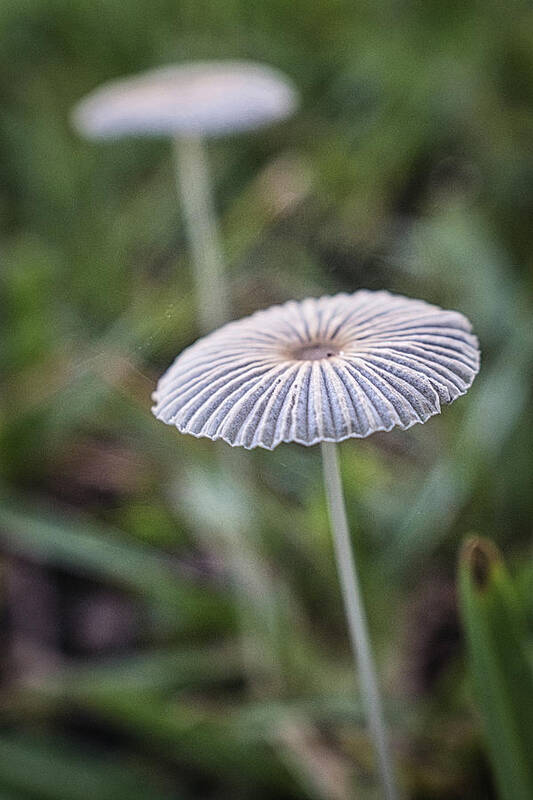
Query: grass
[[409, 167]]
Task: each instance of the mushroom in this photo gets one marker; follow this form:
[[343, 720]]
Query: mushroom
[[321, 371], [187, 103]]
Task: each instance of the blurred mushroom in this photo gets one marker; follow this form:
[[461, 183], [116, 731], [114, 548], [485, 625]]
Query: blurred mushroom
[[187, 103], [324, 370]]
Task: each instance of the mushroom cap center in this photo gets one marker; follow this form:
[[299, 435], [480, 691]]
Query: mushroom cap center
[[315, 351]]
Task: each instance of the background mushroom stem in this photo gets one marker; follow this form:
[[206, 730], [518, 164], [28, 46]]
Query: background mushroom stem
[[194, 188], [213, 310], [355, 615]]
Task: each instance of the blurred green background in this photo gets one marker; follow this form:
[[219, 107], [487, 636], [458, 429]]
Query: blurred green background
[[129, 665]]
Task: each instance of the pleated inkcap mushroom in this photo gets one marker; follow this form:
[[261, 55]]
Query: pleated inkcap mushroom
[[211, 98], [320, 370]]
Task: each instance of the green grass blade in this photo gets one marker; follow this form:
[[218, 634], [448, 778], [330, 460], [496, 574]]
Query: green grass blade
[[87, 548], [54, 769], [174, 669], [501, 674]]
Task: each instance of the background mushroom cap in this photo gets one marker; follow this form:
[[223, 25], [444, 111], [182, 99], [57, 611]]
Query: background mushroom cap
[[209, 98], [323, 369]]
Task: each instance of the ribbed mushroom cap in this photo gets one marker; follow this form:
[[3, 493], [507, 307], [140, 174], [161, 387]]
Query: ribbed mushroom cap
[[206, 98], [320, 370]]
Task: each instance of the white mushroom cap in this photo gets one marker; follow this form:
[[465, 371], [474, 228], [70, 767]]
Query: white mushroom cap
[[322, 369], [209, 98]]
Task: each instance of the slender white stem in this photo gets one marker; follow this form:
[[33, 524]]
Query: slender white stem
[[194, 188], [355, 615]]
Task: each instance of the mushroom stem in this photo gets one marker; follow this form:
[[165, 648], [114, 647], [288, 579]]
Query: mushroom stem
[[257, 612], [194, 189], [355, 615]]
